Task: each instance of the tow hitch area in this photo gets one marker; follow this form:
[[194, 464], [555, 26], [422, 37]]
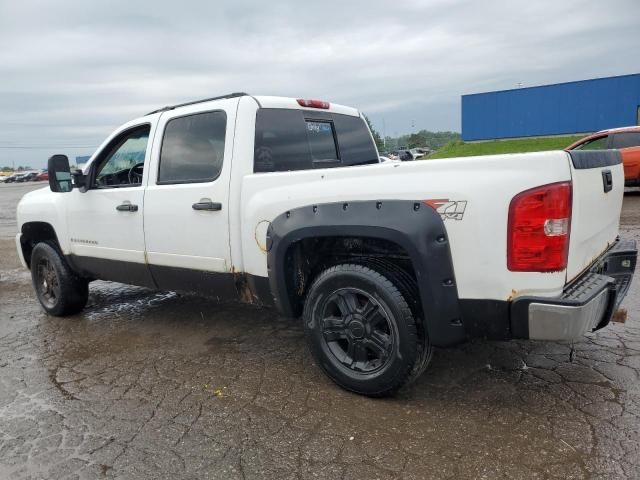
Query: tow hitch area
[[587, 304]]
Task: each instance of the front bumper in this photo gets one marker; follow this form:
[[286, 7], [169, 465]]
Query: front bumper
[[586, 304], [19, 248]]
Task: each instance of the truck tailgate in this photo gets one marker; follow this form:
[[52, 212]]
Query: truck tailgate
[[598, 189]]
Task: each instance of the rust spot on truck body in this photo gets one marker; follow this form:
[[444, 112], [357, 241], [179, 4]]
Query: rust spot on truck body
[[245, 293]]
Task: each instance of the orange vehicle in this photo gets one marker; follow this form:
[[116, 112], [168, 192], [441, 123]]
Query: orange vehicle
[[625, 139]]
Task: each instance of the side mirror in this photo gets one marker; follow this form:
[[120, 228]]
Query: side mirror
[[62, 179], [59, 174]]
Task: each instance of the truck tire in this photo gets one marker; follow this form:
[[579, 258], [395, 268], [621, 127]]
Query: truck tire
[[361, 330], [59, 290], [409, 290]]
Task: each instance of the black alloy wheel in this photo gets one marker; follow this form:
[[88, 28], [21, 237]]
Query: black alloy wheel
[[59, 289], [356, 330], [361, 330], [47, 283]]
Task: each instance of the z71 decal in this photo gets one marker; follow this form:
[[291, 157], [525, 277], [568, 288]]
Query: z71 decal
[[453, 209]]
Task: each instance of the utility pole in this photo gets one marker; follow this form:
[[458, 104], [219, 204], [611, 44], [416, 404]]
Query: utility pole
[[384, 133]]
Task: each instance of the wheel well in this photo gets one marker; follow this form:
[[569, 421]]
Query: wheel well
[[34, 233], [307, 258]]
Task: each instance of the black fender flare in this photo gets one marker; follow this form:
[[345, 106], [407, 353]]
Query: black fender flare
[[412, 225], [35, 229]]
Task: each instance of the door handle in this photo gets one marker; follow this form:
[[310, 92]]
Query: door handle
[[211, 206], [127, 207]]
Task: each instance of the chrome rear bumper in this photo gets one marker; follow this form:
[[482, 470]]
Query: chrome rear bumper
[[586, 304]]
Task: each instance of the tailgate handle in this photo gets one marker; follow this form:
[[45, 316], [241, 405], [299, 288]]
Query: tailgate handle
[[607, 181]]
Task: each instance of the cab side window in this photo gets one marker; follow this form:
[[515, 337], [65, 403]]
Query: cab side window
[[122, 164], [193, 148], [600, 143], [626, 140]]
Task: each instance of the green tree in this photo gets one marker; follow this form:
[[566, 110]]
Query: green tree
[[418, 139], [425, 138], [376, 136], [391, 143]]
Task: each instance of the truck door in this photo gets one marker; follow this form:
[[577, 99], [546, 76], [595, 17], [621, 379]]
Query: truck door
[[186, 214], [105, 222]]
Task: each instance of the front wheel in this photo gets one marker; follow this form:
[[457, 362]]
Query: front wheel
[[59, 290], [361, 330]]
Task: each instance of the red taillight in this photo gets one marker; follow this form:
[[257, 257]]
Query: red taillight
[[313, 103], [539, 227]]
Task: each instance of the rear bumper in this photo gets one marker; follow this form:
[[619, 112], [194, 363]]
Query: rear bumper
[[586, 304]]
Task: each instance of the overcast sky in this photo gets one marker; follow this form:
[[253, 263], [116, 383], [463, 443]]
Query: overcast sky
[[72, 71]]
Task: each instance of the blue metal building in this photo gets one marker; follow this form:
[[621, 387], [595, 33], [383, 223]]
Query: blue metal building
[[563, 108]]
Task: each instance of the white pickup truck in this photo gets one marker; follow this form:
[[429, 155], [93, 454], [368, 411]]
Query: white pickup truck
[[284, 202]]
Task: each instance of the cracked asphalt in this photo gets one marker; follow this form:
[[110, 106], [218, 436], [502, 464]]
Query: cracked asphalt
[[158, 385]]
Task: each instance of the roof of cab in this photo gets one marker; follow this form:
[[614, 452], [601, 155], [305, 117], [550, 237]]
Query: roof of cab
[[265, 102], [290, 102], [172, 107]]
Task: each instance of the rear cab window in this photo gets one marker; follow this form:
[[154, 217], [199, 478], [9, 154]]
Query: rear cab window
[[289, 140]]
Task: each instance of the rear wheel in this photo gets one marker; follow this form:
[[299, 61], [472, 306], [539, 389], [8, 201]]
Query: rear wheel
[[361, 330], [60, 291]]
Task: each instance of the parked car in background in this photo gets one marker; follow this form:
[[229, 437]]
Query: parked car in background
[[10, 178], [405, 155], [18, 177], [26, 177], [625, 139], [419, 152], [40, 177]]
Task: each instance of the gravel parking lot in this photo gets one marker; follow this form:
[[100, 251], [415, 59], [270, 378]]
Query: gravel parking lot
[[149, 384]]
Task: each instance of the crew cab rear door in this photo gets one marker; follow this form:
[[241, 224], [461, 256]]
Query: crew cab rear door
[[186, 219], [598, 189]]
